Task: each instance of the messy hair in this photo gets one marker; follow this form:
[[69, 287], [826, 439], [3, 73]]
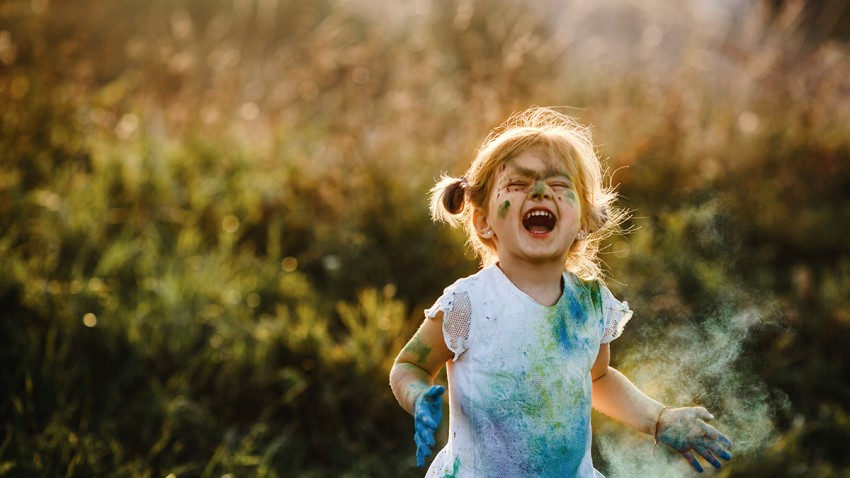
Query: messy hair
[[453, 200]]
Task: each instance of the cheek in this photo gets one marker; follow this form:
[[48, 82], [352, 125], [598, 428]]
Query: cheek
[[566, 198], [503, 209]]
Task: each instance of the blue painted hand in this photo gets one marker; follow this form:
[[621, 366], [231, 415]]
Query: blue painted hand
[[427, 413], [686, 431]]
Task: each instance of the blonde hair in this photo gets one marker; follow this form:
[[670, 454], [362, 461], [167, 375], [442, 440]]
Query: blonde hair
[[453, 200]]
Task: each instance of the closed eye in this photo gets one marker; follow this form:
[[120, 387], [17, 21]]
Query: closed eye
[[561, 185], [517, 184]]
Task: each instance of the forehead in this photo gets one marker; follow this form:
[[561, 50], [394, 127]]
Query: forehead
[[536, 164]]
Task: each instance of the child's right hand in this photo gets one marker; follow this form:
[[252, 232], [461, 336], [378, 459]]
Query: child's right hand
[[686, 431], [427, 413]]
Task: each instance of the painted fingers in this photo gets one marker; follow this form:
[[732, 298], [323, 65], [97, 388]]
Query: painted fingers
[[717, 444], [693, 461], [686, 431], [428, 411], [712, 444]]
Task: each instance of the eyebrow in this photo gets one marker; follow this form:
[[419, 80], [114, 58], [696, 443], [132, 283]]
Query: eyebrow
[[549, 172]]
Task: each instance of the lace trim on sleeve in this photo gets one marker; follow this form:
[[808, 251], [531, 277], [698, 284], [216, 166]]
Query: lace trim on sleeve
[[457, 319], [617, 314]]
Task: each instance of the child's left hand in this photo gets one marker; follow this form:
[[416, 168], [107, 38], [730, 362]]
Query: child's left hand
[[428, 411], [686, 431]]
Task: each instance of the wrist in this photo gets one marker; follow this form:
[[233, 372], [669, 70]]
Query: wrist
[[415, 392]]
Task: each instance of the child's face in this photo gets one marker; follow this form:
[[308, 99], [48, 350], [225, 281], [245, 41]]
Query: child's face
[[533, 209]]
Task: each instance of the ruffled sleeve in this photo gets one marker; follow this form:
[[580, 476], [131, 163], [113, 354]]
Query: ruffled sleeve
[[457, 318], [615, 315]]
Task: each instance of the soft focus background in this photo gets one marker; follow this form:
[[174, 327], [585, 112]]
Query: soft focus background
[[214, 234]]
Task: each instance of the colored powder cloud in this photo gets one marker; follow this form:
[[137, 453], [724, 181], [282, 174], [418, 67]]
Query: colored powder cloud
[[688, 365]]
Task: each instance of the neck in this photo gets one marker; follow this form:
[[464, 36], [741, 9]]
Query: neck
[[541, 281]]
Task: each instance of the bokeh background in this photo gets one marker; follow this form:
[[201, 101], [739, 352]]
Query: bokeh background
[[214, 234]]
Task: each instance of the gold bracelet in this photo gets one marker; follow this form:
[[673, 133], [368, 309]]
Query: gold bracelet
[[655, 429]]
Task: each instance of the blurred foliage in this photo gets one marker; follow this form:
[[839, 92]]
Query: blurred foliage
[[214, 233], [818, 19]]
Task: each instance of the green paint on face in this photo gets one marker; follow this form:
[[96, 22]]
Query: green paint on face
[[503, 209], [572, 197], [419, 349], [539, 188]]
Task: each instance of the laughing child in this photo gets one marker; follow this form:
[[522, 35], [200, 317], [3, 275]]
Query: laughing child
[[526, 339]]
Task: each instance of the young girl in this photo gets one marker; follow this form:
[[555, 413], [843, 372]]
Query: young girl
[[526, 339]]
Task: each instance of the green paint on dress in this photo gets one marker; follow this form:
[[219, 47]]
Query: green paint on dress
[[546, 396], [503, 209], [455, 468], [581, 302]]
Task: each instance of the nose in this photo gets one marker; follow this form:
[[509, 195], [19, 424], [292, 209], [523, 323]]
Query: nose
[[540, 191]]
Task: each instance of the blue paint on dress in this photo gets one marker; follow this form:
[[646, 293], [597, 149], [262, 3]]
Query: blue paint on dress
[[521, 393], [572, 312]]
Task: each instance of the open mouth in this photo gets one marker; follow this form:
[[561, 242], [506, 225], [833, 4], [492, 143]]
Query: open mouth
[[539, 221]]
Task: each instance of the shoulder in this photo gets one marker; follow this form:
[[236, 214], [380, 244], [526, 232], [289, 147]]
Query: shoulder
[[462, 290], [471, 284], [594, 283], [465, 299], [595, 288], [590, 290], [615, 314]]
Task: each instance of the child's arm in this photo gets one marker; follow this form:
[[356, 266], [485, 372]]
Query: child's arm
[[683, 429], [412, 381]]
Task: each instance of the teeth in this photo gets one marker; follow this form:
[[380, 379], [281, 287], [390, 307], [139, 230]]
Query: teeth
[[538, 213], [539, 221]]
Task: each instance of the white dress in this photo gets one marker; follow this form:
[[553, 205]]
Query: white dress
[[519, 383]]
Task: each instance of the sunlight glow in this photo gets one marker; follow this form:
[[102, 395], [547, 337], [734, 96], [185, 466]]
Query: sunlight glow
[[289, 264], [230, 224]]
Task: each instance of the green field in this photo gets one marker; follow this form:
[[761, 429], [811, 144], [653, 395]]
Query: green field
[[214, 234]]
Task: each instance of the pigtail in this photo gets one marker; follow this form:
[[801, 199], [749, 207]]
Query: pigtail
[[448, 199], [453, 196]]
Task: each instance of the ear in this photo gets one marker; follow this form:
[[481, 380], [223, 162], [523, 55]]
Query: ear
[[482, 225]]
